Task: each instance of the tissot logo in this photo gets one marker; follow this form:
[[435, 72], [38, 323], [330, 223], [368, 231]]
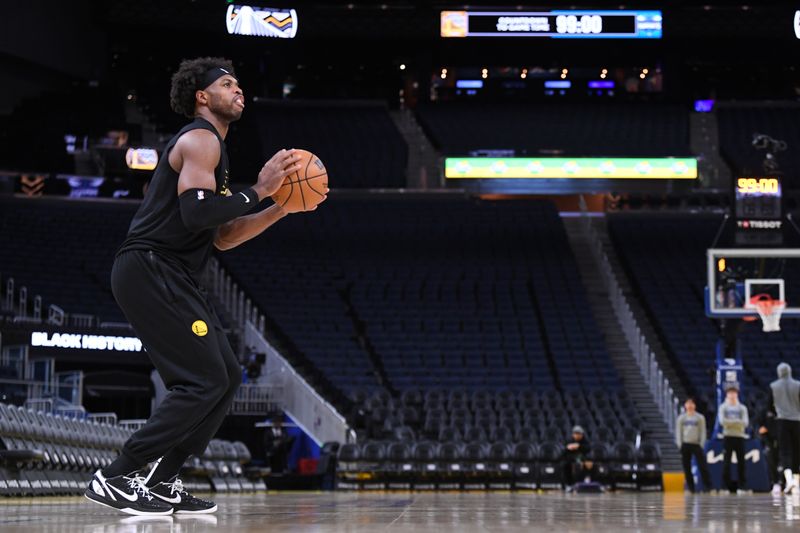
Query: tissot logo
[[77, 341]]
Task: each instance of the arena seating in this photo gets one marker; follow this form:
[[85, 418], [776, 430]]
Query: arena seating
[[444, 319], [63, 251], [455, 300], [644, 129], [523, 465], [358, 142], [43, 454], [665, 255], [447, 321], [738, 124]]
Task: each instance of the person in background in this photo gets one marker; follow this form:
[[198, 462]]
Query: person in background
[[786, 399], [277, 443], [690, 436], [768, 434], [577, 465], [734, 419]]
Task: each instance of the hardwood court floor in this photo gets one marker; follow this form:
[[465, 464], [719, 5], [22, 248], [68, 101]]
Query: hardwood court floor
[[424, 512]]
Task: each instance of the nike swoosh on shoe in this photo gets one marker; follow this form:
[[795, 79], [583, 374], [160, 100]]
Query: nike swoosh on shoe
[[130, 497], [176, 499]]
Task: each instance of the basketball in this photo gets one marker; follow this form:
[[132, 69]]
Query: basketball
[[302, 190]]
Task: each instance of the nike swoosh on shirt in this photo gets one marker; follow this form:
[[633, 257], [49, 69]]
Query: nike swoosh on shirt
[[130, 497], [246, 198]]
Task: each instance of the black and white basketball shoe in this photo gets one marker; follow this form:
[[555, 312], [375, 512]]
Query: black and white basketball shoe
[[173, 493], [128, 494]]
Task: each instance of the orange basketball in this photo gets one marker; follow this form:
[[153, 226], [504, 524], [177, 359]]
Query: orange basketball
[[303, 189]]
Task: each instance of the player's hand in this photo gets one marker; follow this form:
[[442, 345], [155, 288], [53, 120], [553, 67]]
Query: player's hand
[[275, 170], [762, 430], [311, 207]]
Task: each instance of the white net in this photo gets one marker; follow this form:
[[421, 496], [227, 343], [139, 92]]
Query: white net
[[770, 312]]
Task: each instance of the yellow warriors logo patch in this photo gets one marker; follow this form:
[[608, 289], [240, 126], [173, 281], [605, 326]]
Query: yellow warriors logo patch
[[199, 328]]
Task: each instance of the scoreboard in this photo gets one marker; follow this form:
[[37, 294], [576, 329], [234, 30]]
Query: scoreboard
[[570, 24]]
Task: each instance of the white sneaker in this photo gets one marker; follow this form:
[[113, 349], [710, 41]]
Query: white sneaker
[[776, 489], [740, 492], [791, 481]]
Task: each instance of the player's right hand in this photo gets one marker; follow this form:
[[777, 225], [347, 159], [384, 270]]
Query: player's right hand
[[280, 165], [310, 206]]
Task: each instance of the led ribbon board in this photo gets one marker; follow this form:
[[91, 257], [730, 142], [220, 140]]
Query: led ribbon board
[[81, 341], [571, 167], [261, 21], [573, 24]]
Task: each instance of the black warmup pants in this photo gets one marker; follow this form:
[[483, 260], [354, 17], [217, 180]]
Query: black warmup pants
[[770, 450], [186, 344], [733, 444], [687, 452], [789, 444]]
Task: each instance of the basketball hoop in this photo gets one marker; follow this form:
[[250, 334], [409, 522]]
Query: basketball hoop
[[770, 311]]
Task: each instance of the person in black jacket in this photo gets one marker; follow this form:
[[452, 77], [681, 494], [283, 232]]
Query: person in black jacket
[[768, 434], [576, 461]]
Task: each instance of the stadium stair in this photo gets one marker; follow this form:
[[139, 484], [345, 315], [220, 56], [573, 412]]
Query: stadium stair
[[704, 141], [655, 428], [424, 170]]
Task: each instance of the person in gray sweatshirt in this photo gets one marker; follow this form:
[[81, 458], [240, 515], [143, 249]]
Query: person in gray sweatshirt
[[786, 399], [690, 436], [734, 420]]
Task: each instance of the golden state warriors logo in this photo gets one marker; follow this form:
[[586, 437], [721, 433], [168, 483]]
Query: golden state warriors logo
[[224, 189], [199, 328]]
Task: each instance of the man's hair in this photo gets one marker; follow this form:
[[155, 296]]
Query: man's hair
[[690, 399], [185, 80]]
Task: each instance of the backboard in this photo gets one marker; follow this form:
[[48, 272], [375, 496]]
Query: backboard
[[738, 275]]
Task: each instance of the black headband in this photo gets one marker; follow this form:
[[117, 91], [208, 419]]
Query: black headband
[[210, 76]]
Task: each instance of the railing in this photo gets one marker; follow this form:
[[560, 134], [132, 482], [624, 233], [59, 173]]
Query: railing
[[256, 399], [133, 424], [41, 396], [298, 399], [103, 418], [653, 376], [42, 387], [241, 308], [279, 386], [55, 315]]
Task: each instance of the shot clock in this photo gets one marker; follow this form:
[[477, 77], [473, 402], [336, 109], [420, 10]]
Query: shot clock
[[757, 199]]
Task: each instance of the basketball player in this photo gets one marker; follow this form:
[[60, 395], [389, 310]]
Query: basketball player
[[785, 392], [187, 210]]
